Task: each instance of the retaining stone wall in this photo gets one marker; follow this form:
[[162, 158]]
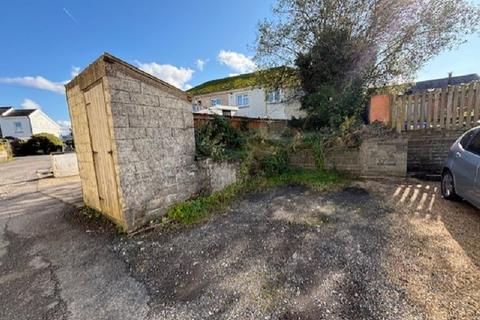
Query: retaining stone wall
[[375, 157], [428, 149]]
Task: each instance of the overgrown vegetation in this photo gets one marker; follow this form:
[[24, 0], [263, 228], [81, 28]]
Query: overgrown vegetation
[[41, 143], [264, 164], [199, 209], [218, 140]]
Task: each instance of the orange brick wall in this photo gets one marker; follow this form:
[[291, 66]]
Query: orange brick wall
[[380, 109]]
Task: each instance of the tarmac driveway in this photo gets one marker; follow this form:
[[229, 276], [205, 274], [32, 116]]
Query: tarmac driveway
[[376, 250], [52, 266]]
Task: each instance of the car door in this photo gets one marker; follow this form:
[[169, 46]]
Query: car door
[[462, 165], [473, 159]]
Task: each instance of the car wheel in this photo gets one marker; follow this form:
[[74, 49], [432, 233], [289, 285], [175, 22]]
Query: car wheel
[[448, 186]]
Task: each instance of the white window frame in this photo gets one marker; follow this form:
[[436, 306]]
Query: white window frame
[[274, 96], [18, 126], [242, 100]]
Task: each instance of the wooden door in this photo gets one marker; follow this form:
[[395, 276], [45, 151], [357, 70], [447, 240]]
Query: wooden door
[[102, 151]]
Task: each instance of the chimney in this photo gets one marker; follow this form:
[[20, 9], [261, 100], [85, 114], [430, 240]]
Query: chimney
[[449, 77]]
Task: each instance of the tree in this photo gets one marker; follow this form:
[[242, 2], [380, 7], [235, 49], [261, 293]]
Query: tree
[[342, 47], [392, 38]]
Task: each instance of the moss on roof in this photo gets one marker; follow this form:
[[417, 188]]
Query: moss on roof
[[267, 78]]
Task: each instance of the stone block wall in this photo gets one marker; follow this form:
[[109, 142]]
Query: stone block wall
[[214, 176], [428, 149], [384, 157], [143, 160], [155, 143], [343, 159], [302, 157], [375, 157]]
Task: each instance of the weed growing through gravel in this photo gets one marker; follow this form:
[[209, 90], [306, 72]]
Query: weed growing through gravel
[[199, 209]]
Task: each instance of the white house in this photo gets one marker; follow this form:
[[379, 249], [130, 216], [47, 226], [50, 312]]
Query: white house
[[247, 94], [23, 123]]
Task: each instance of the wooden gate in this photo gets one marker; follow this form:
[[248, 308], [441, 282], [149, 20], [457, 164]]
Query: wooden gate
[[102, 151], [455, 107]]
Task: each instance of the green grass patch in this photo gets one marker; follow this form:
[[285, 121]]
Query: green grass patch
[[199, 209]]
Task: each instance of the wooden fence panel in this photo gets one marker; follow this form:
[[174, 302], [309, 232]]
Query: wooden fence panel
[[455, 107]]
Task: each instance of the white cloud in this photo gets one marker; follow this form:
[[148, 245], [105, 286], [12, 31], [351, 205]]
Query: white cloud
[[188, 86], [201, 64], [66, 124], [37, 82], [30, 104], [238, 62], [75, 71], [233, 74], [177, 77]]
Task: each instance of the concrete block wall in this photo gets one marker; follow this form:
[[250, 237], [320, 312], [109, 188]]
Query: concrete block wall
[[384, 157], [428, 149], [343, 159], [216, 176], [155, 143], [375, 157], [302, 157]]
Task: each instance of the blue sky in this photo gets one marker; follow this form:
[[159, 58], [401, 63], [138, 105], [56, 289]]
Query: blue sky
[[185, 42]]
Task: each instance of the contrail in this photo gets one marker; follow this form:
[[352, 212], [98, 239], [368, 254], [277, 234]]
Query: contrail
[[69, 15]]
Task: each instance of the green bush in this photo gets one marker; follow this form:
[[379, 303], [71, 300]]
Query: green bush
[[218, 139], [42, 143], [275, 163]]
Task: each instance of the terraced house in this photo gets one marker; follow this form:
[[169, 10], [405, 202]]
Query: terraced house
[[250, 96]]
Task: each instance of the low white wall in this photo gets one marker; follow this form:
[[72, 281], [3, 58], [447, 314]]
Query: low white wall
[[64, 165]]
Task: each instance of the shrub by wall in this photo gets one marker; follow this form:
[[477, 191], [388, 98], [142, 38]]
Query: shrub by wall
[[41, 143]]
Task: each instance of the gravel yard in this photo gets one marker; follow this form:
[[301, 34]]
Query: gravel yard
[[375, 250]]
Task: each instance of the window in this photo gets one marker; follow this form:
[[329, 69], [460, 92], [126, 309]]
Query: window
[[474, 145], [467, 137], [216, 102], [273, 96], [18, 126], [242, 100]]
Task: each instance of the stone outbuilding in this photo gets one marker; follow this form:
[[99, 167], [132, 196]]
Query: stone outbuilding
[[135, 143]]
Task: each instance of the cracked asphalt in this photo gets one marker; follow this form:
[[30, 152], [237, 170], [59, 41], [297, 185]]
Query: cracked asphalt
[[390, 249]]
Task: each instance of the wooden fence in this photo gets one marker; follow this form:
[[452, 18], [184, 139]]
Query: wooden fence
[[454, 107]]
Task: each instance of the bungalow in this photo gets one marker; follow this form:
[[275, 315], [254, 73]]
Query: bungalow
[[248, 93], [23, 123]]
